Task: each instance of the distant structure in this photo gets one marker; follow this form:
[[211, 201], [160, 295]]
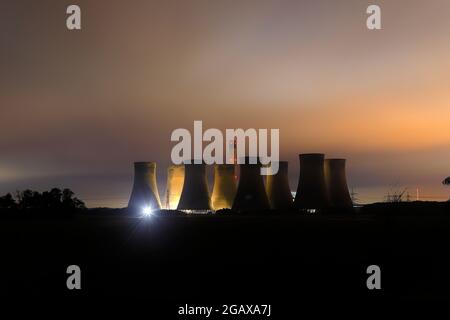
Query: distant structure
[[354, 196], [311, 191], [233, 157], [251, 194], [145, 190], [224, 189], [446, 182], [233, 148], [336, 182], [408, 197], [175, 181], [277, 188], [396, 195], [195, 195]]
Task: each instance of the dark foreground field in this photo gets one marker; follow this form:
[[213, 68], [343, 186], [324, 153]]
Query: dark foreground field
[[286, 261]]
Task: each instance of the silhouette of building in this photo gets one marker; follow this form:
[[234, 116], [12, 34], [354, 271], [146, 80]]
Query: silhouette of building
[[277, 188], [224, 189], [195, 195], [336, 182], [251, 194], [311, 191], [174, 187], [145, 190]]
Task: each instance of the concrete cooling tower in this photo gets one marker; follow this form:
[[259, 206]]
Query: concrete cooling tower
[[224, 189], [195, 194], [145, 190], [251, 194], [175, 180], [277, 188], [336, 183], [311, 190]]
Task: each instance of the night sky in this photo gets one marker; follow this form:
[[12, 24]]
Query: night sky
[[77, 108]]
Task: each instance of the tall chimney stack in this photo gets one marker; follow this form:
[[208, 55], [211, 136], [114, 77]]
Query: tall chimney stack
[[336, 182], [145, 189], [224, 189], [175, 181], [311, 190], [277, 188], [251, 194], [195, 195]]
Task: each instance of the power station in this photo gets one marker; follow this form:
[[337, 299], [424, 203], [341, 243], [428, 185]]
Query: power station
[[224, 189], [336, 183], [195, 194], [145, 189], [251, 194], [311, 191], [174, 186], [277, 188], [322, 185]]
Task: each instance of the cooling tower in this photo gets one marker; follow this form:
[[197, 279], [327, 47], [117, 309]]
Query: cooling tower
[[175, 180], [251, 194], [277, 188], [311, 190], [195, 194], [145, 189], [224, 188], [336, 183]]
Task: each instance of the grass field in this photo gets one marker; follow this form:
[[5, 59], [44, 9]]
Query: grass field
[[219, 259]]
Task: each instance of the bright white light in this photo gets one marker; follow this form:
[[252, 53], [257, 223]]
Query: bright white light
[[147, 211]]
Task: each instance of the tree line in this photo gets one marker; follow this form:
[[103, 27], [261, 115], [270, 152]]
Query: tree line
[[54, 199]]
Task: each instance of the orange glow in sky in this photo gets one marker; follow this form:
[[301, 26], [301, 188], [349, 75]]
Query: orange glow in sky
[[78, 108]]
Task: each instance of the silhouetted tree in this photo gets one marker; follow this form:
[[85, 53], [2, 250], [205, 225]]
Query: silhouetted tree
[[67, 197], [27, 199], [71, 202], [7, 202], [53, 199]]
